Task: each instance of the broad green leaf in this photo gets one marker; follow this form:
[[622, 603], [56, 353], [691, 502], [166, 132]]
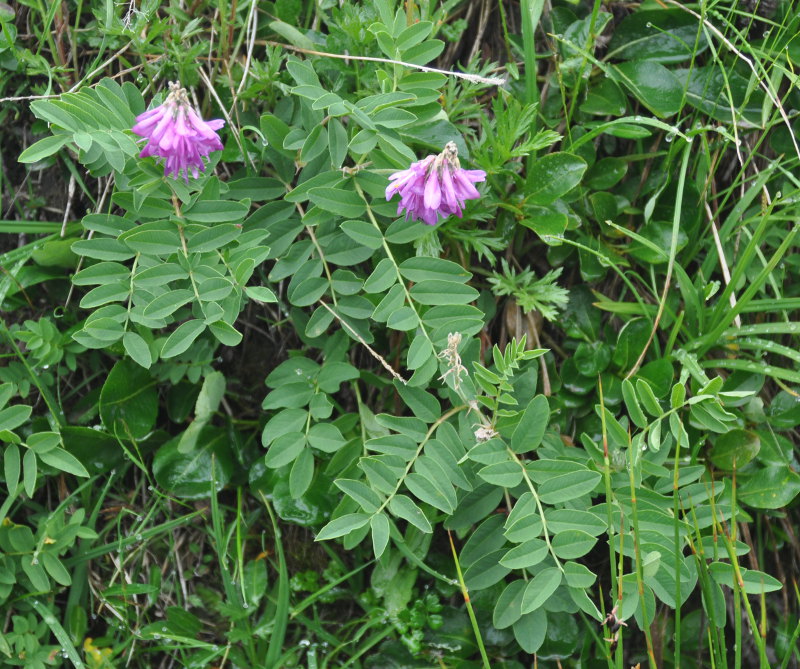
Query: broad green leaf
[[29, 472], [663, 35], [43, 148], [166, 304], [772, 487], [308, 291], [567, 487], [55, 568], [260, 294], [419, 352], [182, 338], [111, 292], [531, 427], [11, 468], [213, 238], [507, 610], [423, 268], [285, 449], [367, 498], [530, 631], [160, 275], [326, 437], [654, 85], [129, 401], [382, 278], [553, 175], [379, 525], [195, 474], [578, 575], [571, 544], [101, 273], [560, 520], [301, 473], [734, 449], [343, 525], [363, 233], [154, 242], [215, 212], [504, 474], [338, 201], [102, 249], [137, 348], [485, 572], [632, 404], [255, 581], [14, 416], [435, 291], [540, 588], [439, 494], [403, 507], [527, 554], [63, 461], [225, 333]]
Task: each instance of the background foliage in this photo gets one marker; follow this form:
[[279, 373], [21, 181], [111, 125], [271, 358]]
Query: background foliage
[[258, 420]]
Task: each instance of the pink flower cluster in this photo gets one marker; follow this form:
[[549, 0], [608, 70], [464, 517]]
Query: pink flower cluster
[[433, 187], [176, 133]]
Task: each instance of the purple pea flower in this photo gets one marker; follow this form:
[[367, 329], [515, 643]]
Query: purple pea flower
[[176, 133], [434, 186]]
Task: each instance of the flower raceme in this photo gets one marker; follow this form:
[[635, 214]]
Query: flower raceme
[[176, 133], [433, 187]]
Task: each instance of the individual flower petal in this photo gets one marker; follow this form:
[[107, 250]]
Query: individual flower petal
[[435, 186], [175, 133]]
